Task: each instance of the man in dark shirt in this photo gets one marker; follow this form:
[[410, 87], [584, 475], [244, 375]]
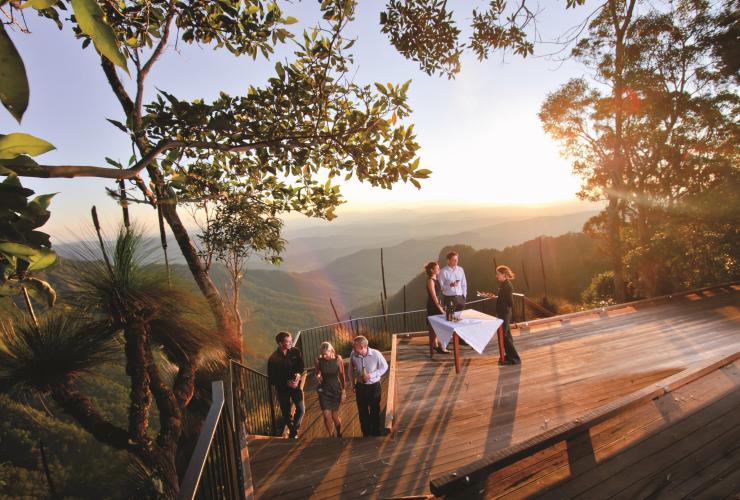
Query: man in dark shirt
[[284, 372]]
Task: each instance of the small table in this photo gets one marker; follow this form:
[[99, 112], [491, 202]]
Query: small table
[[476, 328]]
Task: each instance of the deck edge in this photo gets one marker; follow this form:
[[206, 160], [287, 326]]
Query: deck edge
[[468, 474]]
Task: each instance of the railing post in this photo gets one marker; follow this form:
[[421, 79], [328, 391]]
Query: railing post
[[273, 424]]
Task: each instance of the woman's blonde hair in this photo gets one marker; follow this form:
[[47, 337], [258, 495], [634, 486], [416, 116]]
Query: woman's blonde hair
[[505, 271], [327, 347]]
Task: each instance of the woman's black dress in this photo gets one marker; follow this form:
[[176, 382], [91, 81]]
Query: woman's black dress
[[504, 306], [330, 390], [432, 309]]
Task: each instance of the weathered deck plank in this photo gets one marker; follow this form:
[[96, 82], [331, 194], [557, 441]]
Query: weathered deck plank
[[445, 421]]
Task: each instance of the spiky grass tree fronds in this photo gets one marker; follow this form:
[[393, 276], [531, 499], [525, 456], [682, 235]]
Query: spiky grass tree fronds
[[58, 351], [168, 334], [50, 357]]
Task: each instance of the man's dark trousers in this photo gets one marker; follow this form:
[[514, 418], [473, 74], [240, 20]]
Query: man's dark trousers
[[368, 407], [285, 397]]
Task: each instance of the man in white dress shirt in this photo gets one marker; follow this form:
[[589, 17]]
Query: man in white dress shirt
[[453, 283]]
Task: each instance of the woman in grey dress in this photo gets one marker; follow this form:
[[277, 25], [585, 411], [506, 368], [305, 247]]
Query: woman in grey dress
[[330, 376]]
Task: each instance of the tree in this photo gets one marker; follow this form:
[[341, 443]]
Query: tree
[[678, 144], [121, 303], [283, 143], [425, 31]]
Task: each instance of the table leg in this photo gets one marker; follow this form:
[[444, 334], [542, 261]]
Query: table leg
[[500, 335], [456, 341]]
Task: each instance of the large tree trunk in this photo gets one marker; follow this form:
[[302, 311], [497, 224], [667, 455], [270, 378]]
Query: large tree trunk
[[618, 163], [140, 398], [224, 318]]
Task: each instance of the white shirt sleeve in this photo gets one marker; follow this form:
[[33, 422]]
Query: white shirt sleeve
[[464, 284]]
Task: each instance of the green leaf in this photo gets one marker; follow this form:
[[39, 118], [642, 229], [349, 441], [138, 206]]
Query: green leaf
[[12, 145], [290, 20], [39, 4], [118, 125], [44, 259], [91, 20], [13, 80], [43, 200], [13, 249]]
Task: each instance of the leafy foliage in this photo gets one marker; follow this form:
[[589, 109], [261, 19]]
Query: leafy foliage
[[675, 193], [426, 31], [23, 248]]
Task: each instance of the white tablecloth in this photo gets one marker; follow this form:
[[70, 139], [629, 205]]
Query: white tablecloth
[[477, 329]]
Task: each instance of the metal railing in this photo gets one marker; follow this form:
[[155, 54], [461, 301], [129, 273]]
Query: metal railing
[[214, 469], [379, 330], [253, 401]]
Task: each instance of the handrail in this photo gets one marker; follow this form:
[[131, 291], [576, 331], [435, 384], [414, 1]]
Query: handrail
[[377, 316], [213, 470], [253, 400], [534, 305]]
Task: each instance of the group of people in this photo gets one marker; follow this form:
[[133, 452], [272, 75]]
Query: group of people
[[446, 287], [286, 371]]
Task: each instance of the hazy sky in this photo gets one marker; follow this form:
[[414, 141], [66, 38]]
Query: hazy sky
[[479, 133]]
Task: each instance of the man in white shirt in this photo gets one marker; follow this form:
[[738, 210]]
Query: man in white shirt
[[368, 365], [453, 283]]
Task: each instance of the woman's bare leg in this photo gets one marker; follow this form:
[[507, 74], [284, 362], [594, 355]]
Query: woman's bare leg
[[337, 422], [328, 422]]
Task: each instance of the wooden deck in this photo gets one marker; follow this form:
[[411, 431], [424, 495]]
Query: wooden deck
[[444, 421], [682, 444]]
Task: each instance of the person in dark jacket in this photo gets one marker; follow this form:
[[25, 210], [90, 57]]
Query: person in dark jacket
[[504, 305], [285, 371]]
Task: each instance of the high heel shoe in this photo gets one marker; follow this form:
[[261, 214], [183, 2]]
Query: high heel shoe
[[441, 351]]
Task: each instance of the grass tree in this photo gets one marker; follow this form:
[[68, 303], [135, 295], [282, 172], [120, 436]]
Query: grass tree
[[120, 303]]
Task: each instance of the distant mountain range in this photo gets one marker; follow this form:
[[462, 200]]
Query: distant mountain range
[[277, 299]]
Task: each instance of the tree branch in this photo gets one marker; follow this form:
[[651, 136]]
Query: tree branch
[[54, 171], [118, 89], [82, 410]]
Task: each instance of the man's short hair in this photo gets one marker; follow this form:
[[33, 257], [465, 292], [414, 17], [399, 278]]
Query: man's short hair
[[360, 339], [282, 336], [451, 255]]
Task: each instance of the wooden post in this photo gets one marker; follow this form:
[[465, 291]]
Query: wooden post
[[336, 315], [385, 313], [542, 266], [382, 272], [456, 344], [524, 273], [405, 330]]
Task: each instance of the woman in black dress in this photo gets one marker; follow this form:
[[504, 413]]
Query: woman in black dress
[[504, 306], [434, 294], [330, 376]]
